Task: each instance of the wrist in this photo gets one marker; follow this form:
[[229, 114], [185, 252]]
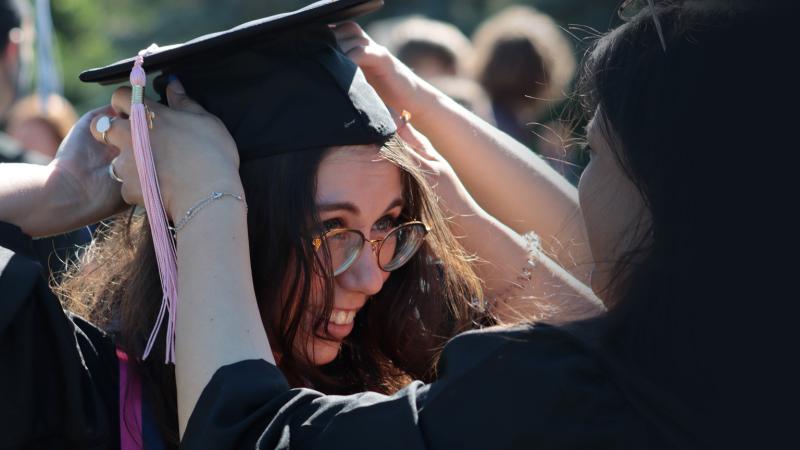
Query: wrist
[[403, 89], [183, 201]]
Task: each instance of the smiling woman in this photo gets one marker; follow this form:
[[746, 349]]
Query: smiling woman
[[373, 323]]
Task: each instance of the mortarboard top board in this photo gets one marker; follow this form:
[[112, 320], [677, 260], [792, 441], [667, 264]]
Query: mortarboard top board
[[279, 84]]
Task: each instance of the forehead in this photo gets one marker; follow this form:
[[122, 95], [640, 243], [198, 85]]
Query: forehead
[[357, 174]]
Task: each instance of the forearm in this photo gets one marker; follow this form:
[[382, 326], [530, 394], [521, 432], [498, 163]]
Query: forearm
[[548, 293], [219, 321], [23, 199], [511, 182], [520, 283]]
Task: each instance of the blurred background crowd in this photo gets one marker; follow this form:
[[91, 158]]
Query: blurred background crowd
[[510, 62]]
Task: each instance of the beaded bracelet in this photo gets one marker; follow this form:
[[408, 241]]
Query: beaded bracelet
[[525, 276], [190, 213]]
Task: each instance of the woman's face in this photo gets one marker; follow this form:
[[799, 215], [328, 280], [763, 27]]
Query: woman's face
[[611, 207], [355, 189]]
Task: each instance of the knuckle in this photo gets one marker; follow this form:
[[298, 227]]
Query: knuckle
[[126, 196], [120, 91]]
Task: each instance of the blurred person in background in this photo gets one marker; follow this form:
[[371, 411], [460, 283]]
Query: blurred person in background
[[41, 124], [525, 63], [431, 48], [15, 39], [13, 14], [466, 92]]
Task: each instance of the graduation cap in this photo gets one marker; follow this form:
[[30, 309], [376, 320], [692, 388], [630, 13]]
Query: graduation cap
[[279, 84]]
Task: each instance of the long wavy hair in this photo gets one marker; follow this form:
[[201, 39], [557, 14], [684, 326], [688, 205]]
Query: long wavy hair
[[397, 335]]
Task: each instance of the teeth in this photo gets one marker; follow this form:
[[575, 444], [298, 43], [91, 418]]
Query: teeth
[[342, 317]]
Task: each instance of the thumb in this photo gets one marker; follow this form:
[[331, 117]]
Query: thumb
[[177, 99], [418, 142]]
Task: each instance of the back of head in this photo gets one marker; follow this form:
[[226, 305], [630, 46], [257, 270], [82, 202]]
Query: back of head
[[430, 47], [40, 124], [698, 127], [523, 60]]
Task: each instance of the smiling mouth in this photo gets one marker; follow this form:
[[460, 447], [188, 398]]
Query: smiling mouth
[[342, 316]]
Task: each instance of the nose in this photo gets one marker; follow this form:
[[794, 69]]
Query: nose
[[364, 275]]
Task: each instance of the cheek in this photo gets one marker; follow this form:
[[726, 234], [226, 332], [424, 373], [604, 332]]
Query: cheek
[[590, 196], [610, 203]]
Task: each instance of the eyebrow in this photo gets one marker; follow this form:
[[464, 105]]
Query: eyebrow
[[352, 208]]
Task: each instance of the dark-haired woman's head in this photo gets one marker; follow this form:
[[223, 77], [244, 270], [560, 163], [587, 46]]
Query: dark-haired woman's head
[[358, 310], [678, 137], [340, 329], [685, 189], [369, 323]]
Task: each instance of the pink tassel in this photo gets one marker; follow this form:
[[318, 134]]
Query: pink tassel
[[166, 256]]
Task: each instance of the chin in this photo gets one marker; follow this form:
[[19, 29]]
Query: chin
[[325, 352]]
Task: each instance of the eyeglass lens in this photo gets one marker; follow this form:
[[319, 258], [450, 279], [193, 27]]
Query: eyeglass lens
[[396, 249]]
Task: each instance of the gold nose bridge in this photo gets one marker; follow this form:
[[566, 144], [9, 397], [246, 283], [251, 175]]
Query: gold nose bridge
[[375, 244]]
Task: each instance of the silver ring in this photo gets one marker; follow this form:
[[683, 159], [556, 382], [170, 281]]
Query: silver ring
[[113, 174]]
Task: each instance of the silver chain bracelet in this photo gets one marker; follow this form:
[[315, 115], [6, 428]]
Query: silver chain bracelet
[[190, 213]]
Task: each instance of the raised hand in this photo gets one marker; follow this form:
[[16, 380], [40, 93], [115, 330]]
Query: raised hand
[[454, 199], [396, 84], [193, 152], [80, 174], [72, 191]]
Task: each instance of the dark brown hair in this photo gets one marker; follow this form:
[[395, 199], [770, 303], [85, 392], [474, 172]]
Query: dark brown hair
[[397, 335]]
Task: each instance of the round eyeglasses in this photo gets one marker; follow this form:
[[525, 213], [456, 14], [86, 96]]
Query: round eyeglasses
[[393, 250]]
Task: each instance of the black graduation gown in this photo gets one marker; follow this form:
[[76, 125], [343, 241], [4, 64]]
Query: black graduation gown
[[526, 387], [58, 374], [532, 387]]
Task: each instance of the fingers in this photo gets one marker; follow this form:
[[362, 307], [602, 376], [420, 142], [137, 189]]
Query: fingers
[[177, 99], [121, 101], [346, 30], [352, 40], [125, 168], [351, 44], [117, 136], [417, 141], [87, 118], [122, 166]]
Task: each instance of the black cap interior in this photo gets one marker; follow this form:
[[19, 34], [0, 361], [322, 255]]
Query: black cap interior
[[279, 84]]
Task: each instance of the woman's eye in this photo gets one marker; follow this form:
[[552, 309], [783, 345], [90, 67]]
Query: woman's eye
[[386, 223], [332, 224]]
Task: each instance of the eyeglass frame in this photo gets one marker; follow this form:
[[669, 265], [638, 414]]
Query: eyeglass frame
[[652, 5], [317, 242]]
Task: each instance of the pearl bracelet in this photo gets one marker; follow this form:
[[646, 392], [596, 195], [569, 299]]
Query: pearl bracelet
[[525, 276], [190, 213]]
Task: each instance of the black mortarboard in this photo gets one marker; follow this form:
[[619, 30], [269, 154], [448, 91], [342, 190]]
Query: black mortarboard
[[279, 84]]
